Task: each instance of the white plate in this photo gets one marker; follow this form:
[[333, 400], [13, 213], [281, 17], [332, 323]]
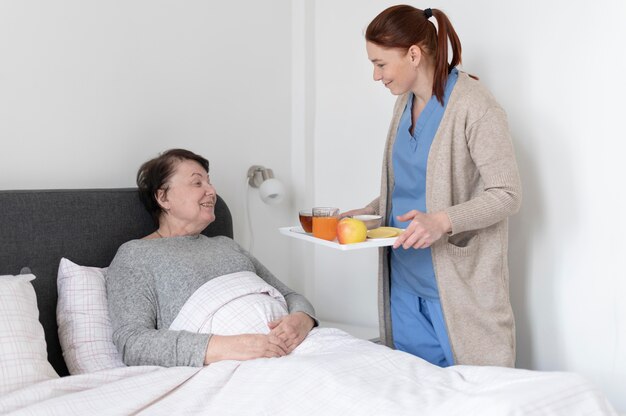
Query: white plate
[[299, 233]]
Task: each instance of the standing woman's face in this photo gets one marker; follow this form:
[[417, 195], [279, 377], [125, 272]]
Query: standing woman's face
[[396, 68]]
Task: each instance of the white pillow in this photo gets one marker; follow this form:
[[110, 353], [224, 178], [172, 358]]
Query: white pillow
[[23, 355], [85, 330]]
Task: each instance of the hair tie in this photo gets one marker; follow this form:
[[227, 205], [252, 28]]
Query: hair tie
[[428, 13]]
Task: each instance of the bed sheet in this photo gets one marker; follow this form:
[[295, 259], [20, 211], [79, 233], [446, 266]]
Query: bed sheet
[[330, 373]]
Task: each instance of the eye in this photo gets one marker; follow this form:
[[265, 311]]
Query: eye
[[380, 65]]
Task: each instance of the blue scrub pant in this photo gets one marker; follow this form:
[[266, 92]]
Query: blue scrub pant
[[419, 328]]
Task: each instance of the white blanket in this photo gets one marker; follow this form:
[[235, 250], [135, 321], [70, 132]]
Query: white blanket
[[237, 303], [330, 373]]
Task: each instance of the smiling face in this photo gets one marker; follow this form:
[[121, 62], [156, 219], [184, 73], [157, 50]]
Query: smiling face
[[395, 67], [188, 200]]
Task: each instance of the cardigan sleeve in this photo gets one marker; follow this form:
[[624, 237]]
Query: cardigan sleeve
[[491, 149], [375, 204]]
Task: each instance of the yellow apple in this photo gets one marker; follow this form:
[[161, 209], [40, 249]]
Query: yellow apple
[[351, 231]]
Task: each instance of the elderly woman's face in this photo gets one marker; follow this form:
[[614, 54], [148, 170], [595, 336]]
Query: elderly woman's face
[[190, 198]]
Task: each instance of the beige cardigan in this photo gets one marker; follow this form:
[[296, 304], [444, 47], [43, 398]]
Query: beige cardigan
[[472, 176]]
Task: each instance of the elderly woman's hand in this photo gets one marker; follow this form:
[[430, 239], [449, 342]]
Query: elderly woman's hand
[[292, 329], [244, 347]]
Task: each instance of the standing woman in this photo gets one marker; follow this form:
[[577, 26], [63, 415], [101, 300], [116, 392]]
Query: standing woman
[[450, 179]]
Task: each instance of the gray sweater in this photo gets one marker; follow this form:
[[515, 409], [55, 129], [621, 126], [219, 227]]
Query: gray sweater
[[148, 283]]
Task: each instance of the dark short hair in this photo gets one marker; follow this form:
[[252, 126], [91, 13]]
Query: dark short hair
[[154, 174]]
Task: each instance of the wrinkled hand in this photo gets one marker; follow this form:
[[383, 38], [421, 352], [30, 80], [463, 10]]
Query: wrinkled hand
[[292, 329], [244, 347], [423, 230], [360, 211]]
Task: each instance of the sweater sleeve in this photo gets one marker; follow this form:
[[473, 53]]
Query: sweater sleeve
[[133, 311], [491, 149]]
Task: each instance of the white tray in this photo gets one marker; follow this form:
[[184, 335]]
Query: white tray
[[299, 233]]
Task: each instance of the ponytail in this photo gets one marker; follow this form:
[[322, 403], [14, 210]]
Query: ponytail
[[445, 32]]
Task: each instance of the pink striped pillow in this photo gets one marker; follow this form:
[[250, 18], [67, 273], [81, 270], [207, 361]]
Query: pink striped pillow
[[23, 355], [85, 329]]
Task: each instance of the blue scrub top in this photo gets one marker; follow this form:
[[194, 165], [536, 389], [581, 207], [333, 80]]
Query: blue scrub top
[[413, 269]]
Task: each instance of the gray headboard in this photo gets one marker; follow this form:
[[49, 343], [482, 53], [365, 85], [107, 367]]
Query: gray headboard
[[86, 226]]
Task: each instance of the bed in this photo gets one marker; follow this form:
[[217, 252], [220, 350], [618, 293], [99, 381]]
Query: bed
[[330, 373]]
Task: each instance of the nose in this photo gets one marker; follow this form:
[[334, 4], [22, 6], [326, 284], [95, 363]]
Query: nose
[[209, 189], [377, 74]]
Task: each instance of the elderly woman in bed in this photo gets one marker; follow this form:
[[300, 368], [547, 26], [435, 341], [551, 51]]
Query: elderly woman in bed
[[151, 281]]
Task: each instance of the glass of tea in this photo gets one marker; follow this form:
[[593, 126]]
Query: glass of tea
[[306, 220], [325, 221]]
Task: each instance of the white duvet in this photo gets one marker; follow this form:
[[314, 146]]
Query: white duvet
[[330, 373]]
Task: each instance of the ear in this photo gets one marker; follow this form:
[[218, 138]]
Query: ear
[[415, 54], [161, 197]]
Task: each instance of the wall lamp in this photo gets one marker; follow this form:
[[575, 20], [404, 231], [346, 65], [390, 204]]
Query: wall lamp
[[271, 190]]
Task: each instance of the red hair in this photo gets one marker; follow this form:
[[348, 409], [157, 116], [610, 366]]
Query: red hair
[[403, 26]]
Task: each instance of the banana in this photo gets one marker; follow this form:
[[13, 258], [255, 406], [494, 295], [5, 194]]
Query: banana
[[384, 232]]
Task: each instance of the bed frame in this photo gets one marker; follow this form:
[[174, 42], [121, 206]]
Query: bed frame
[[38, 227]]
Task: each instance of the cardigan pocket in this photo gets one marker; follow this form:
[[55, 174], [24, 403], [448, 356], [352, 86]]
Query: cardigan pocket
[[463, 244]]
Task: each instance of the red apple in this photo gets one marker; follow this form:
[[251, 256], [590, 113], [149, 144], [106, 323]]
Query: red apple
[[351, 231]]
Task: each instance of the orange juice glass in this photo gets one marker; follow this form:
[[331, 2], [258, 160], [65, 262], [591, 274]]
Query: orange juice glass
[[325, 221]]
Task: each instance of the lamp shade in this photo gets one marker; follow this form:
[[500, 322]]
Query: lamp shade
[[272, 191]]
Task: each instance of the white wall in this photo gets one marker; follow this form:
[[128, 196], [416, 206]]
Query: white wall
[[90, 89], [557, 68]]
